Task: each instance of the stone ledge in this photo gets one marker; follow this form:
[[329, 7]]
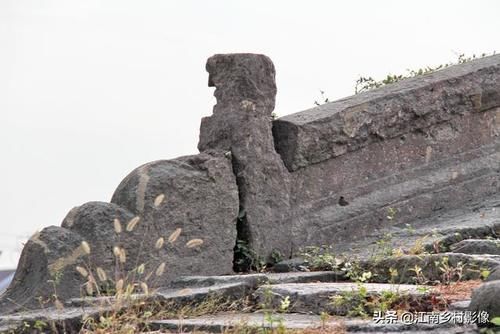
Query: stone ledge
[[335, 128]]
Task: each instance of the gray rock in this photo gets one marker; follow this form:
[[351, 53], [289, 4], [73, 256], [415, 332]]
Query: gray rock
[[462, 305], [197, 194], [220, 322], [49, 320], [69, 319], [200, 197], [295, 264], [255, 280], [179, 296], [245, 90], [416, 147], [434, 267], [317, 297], [486, 298], [477, 246], [305, 277], [94, 223], [336, 128], [46, 268], [232, 291]]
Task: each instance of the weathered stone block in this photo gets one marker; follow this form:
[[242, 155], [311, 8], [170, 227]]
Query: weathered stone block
[[418, 147], [241, 124], [485, 298], [477, 246], [197, 194], [333, 129], [46, 269]]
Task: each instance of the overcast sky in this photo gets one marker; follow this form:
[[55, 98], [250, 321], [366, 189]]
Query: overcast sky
[[89, 90]]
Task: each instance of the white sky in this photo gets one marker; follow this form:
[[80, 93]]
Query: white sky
[[89, 89]]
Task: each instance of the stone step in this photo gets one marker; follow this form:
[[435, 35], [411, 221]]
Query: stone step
[[67, 320], [462, 305], [70, 317], [477, 246], [233, 290], [256, 280], [432, 267], [333, 298], [241, 322]]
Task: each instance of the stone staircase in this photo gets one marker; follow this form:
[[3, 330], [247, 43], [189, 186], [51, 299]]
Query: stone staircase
[[310, 298]]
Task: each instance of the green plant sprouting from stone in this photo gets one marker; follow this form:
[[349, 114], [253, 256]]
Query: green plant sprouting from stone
[[366, 83]]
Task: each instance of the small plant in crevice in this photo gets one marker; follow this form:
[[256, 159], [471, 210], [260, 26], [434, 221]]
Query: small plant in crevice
[[246, 259], [320, 258], [484, 273], [450, 273], [383, 247], [274, 321], [391, 213], [361, 303], [322, 100], [323, 258], [368, 83], [419, 276], [493, 327]]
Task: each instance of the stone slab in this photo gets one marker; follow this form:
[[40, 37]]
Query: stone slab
[[335, 128], [220, 322], [477, 246], [67, 320], [431, 266], [258, 279], [480, 219], [231, 290], [317, 297]]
